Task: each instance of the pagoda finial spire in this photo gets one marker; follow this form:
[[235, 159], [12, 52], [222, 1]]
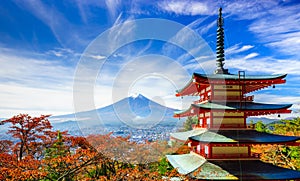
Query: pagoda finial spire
[[220, 46]]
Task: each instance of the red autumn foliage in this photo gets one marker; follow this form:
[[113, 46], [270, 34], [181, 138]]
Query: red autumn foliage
[[39, 153]]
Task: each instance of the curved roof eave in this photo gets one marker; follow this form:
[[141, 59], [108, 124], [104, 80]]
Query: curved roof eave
[[236, 77]]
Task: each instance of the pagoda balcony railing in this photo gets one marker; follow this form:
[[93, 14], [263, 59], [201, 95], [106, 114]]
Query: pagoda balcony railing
[[227, 126], [235, 98], [251, 126], [195, 126], [255, 155], [233, 155], [226, 98], [249, 98], [201, 100]]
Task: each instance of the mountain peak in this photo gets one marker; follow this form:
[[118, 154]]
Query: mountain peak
[[137, 95]]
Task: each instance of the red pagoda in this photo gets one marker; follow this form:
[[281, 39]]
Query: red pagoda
[[220, 142]]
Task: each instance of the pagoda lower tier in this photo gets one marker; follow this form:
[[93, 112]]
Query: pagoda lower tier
[[226, 154], [197, 167], [225, 144]]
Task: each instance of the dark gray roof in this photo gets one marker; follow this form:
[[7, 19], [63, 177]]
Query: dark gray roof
[[236, 77], [241, 136], [255, 169], [236, 106], [184, 136]]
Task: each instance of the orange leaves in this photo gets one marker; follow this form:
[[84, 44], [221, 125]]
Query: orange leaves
[[5, 146], [43, 154], [29, 131], [12, 169]]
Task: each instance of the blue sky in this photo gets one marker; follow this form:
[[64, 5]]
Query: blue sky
[[43, 42]]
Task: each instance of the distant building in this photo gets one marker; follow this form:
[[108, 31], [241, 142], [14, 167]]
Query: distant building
[[220, 142]]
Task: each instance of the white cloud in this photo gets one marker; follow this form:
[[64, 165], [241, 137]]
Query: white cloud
[[276, 99], [251, 55], [31, 71], [63, 53], [248, 10], [279, 99], [16, 99], [34, 85], [280, 29], [235, 49], [65, 32], [113, 6], [185, 7], [150, 75], [267, 65], [96, 57]]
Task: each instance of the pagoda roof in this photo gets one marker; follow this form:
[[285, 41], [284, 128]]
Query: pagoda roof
[[184, 136], [243, 106], [250, 170], [237, 77], [251, 82], [198, 167], [186, 163], [241, 136]]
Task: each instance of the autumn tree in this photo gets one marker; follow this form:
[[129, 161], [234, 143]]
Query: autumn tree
[[69, 158], [30, 132], [39, 153], [5, 146]]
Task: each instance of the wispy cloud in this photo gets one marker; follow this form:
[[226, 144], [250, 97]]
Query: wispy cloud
[[34, 84], [17, 98], [66, 32], [113, 7], [248, 10], [251, 55], [280, 30], [185, 7], [267, 65], [237, 48], [276, 99], [64, 53]]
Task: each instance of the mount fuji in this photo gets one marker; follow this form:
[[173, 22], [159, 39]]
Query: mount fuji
[[137, 112]]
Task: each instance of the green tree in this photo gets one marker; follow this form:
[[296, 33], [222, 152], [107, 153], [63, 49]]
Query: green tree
[[288, 127], [164, 166], [188, 124], [280, 155], [260, 126]]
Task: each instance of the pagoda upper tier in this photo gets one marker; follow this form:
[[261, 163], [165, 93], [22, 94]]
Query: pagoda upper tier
[[232, 137], [202, 84]]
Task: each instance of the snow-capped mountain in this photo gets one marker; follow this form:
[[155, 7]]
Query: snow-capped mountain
[[135, 111]]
